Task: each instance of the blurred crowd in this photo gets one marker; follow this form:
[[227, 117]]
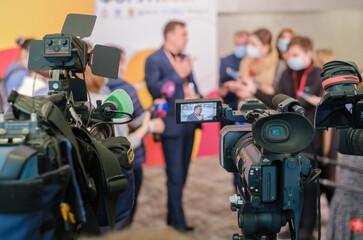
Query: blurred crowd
[[259, 69]]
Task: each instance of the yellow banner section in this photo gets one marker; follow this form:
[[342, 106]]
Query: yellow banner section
[[36, 18]]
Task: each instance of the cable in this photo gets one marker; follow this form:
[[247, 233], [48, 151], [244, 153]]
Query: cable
[[318, 192], [131, 118], [330, 161]]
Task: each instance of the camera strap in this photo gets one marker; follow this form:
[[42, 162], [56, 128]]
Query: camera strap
[[302, 82], [90, 223], [114, 181], [57, 118], [110, 172]]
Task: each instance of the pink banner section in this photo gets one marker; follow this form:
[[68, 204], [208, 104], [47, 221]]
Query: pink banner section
[[7, 56], [209, 144]]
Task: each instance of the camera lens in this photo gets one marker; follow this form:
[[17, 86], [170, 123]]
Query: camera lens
[[245, 153]]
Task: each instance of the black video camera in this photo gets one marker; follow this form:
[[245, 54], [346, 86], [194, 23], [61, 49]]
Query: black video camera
[[59, 151], [342, 105], [266, 155]]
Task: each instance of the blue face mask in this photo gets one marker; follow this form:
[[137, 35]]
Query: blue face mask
[[296, 63], [240, 51], [282, 44], [253, 51]]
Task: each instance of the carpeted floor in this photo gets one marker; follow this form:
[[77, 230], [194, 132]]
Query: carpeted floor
[[206, 200]]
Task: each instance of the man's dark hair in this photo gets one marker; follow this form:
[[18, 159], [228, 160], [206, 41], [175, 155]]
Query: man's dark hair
[[197, 106], [304, 42], [170, 26]]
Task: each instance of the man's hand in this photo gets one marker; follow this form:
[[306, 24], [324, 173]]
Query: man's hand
[[183, 66], [249, 85], [139, 85], [243, 88], [142, 130], [159, 101], [158, 125]]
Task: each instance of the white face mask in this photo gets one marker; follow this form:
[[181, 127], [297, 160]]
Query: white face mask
[[296, 63], [283, 43], [240, 51], [253, 51]]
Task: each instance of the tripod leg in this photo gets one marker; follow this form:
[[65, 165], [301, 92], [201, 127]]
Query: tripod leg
[[292, 229]]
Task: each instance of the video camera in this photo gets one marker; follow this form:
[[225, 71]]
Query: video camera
[[265, 153], [64, 148], [342, 105]]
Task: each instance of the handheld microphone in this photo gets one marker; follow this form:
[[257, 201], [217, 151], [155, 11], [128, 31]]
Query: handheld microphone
[[168, 89], [161, 110], [287, 104]]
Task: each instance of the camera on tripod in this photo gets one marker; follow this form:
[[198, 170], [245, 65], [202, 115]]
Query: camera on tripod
[[342, 105], [59, 153], [266, 154]]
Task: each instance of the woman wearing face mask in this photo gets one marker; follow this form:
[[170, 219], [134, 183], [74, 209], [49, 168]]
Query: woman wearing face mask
[[283, 40], [259, 66]]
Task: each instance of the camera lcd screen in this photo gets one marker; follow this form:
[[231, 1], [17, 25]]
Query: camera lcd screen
[[198, 111]]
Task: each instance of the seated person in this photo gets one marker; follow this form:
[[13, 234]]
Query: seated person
[[18, 70]]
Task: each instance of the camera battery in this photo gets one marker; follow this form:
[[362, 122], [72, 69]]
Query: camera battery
[[269, 183]]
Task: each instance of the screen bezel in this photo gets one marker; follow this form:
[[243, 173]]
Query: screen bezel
[[179, 102]]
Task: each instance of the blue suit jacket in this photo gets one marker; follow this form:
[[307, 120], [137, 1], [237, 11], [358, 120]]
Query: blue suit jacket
[[158, 71], [233, 62]]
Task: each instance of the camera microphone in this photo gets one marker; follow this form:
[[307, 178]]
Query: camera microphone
[[287, 104], [117, 105]]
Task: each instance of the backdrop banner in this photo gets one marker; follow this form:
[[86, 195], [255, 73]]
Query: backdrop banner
[[137, 25]]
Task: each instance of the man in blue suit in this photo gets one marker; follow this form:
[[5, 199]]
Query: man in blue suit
[[168, 66], [196, 115]]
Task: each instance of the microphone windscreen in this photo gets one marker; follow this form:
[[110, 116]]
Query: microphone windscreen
[[279, 98], [123, 100], [168, 89]]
